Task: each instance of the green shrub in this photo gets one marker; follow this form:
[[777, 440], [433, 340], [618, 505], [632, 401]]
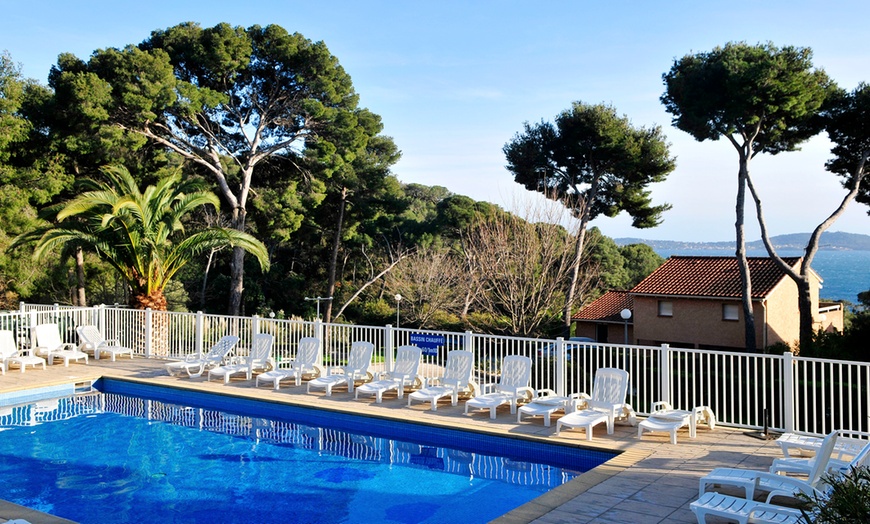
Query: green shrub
[[848, 499]]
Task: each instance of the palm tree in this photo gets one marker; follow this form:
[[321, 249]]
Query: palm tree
[[141, 233]]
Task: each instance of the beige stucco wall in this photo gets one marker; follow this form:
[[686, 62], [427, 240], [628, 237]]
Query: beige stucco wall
[[694, 322], [783, 317]]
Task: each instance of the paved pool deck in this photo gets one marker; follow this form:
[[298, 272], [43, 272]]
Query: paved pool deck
[[650, 481]]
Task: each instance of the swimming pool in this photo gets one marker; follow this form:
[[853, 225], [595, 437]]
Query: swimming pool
[[91, 458]]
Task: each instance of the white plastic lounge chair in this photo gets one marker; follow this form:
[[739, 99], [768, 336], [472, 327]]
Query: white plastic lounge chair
[[665, 418], [545, 404], [456, 380], [10, 354], [259, 359], [751, 480], [845, 447], [48, 343], [849, 444], [606, 404], [513, 385], [742, 510], [195, 365], [305, 363], [404, 373], [93, 340], [357, 368]]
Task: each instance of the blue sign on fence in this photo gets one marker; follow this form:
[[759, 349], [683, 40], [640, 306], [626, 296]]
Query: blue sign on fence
[[428, 343]]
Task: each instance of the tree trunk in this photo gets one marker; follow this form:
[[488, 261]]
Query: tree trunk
[[805, 308], [742, 262], [575, 275], [81, 299], [333, 261], [237, 267]]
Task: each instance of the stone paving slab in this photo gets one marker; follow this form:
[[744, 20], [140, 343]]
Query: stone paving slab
[[651, 481]]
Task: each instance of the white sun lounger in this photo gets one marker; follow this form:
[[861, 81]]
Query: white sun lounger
[[742, 510], [92, 340], [667, 419], [195, 365], [605, 405], [404, 373], [545, 404], [752, 480], [513, 384], [357, 368], [260, 359], [304, 363], [840, 464], [10, 354], [456, 380], [49, 343]]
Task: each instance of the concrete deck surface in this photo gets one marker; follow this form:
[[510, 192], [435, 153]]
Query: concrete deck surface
[[651, 481]]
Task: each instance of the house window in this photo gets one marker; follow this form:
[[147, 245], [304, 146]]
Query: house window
[[666, 308], [730, 312]]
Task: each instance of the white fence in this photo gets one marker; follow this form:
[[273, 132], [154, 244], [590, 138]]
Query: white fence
[[748, 390]]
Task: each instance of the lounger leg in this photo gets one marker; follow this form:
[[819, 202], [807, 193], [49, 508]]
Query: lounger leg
[[492, 413], [674, 436]]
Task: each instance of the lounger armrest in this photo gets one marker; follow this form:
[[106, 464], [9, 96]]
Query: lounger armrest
[[792, 486], [488, 387], [544, 393], [661, 405], [580, 401]]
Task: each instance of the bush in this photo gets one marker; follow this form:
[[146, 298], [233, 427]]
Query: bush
[[848, 499]]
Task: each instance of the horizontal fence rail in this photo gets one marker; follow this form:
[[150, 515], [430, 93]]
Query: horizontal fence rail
[[744, 390]]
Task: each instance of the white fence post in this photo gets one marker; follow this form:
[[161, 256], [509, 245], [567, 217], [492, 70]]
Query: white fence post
[[318, 332], [389, 346], [468, 343], [255, 325], [788, 391], [561, 382], [198, 332], [148, 320], [101, 320], [665, 373]]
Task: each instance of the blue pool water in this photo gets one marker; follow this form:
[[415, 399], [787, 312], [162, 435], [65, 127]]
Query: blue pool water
[[137, 453]]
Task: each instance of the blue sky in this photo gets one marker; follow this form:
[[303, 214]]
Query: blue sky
[[455, 80]]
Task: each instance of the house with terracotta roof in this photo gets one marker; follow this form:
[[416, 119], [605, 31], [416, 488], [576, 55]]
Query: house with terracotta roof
[[695, 302]]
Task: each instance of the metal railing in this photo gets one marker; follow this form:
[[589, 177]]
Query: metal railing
[[747, 390]]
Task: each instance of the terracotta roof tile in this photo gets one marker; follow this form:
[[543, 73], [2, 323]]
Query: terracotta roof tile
[[712, 277], [606, 308]]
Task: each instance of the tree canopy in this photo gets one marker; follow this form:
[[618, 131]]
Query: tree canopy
[[594, 162], [227, 100], [761, 98]]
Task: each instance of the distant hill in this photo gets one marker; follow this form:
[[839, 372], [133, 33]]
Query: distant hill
[[831, 241]]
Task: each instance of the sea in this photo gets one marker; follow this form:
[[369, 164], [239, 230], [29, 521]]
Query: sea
[[844, 273]]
